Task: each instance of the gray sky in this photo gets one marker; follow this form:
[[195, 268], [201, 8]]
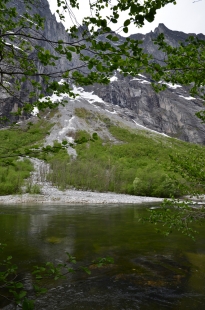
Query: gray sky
[[187, 16]]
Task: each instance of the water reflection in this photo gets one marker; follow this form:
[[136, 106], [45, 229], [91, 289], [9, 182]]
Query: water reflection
[[150, 271]]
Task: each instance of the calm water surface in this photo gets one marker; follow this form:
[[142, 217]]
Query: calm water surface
[[150, 271]]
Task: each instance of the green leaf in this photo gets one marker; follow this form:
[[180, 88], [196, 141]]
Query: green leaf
[[114, 20], [71, 48], [115, 39], [22, 294], [19, 285], [99, 67], [86, 269], [134, 9], [28, 304], [90, 66], [109, 37], [70, 270], [149, 17], [126, 23], [69, 56], [104, 23], [93, 20]]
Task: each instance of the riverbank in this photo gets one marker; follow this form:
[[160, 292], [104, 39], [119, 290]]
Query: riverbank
[[55, 196], [52, 195]]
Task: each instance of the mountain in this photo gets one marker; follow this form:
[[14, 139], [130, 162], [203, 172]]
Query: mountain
[[130, 100], [172, 111]]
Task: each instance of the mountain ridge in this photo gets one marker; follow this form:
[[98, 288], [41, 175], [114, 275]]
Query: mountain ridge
[[171, 112]]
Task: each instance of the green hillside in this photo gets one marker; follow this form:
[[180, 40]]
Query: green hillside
[[16, 143], [141, 163], [137, 163]]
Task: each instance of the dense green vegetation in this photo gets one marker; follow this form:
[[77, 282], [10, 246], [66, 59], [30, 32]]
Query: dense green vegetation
[[141, 163], [12, 177], [16, 144]]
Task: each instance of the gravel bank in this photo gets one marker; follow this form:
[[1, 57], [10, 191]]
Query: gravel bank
[[76, 197]]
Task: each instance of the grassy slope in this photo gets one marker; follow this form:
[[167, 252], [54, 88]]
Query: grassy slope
[[16, 141], [141, 163]]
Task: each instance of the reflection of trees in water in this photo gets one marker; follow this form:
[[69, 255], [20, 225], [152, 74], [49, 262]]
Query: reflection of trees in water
[[35, 237], [50, 238]]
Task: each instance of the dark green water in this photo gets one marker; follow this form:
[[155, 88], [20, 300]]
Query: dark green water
[[150, 271]]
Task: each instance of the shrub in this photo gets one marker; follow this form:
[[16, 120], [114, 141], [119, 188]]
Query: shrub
[[156, 183], [12, 176], [33, 188]]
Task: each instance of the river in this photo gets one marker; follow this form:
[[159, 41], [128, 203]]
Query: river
[[150, 271]]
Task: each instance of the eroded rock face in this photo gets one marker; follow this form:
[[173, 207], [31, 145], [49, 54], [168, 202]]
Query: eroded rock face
[[171, 112]]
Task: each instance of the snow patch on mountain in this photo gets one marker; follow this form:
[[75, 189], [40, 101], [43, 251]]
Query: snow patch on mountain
[[142, 75], [141, 81], [89, 96], [144, 82], [113, 112], [170, 85], [187, 98], [154, 131], [35, 111], [113, 78], [80, 94], [13, 46], [53, 98]]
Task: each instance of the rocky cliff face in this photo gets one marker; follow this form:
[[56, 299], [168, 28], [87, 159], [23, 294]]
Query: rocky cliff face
[[171, 112]]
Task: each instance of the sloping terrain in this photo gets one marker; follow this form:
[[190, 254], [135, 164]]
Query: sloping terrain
[[125, 156], [106, 150]]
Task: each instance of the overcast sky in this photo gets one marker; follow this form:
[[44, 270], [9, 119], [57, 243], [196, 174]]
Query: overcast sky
[[187, 16]]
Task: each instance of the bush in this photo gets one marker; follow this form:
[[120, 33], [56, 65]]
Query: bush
[[32, 188], [12, 176], [156, 183]]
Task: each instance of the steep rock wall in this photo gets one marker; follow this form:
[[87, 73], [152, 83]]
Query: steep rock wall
[[171, 111], [167, 112]]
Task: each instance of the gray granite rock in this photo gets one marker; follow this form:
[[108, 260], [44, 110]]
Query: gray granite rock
[[171, 112]]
